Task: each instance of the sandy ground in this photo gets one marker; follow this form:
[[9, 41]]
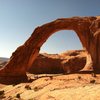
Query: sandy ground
[[78, 86]]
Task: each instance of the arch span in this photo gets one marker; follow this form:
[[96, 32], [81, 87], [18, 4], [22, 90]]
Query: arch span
[[25, 55]]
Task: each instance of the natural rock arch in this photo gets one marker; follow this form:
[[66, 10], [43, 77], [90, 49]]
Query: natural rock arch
[[87, 29]]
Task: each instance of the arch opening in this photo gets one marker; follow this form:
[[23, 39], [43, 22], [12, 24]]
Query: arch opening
[[59, 50], [61, 41]]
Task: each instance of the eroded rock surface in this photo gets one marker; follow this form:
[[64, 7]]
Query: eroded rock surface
[[67, 62], [87, 29]]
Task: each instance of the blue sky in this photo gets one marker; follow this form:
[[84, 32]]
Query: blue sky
[[18, 19]]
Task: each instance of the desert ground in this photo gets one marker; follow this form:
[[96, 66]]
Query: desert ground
[[77, 86]]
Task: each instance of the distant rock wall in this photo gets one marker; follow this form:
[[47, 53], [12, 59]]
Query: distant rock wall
[[67, 62]]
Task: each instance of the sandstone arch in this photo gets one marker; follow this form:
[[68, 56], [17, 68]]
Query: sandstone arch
[[87, 29]]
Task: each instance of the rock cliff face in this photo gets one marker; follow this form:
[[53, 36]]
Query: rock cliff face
[[67, 62], [87, 29]]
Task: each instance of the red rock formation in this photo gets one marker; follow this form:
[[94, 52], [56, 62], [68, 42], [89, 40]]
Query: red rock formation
[[47, 63], [69, 61], [87, 29], [74, 61], [94, 46]]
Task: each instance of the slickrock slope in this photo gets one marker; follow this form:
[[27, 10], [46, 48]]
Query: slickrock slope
[[87, 29], [66, 62], [54, 87]]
